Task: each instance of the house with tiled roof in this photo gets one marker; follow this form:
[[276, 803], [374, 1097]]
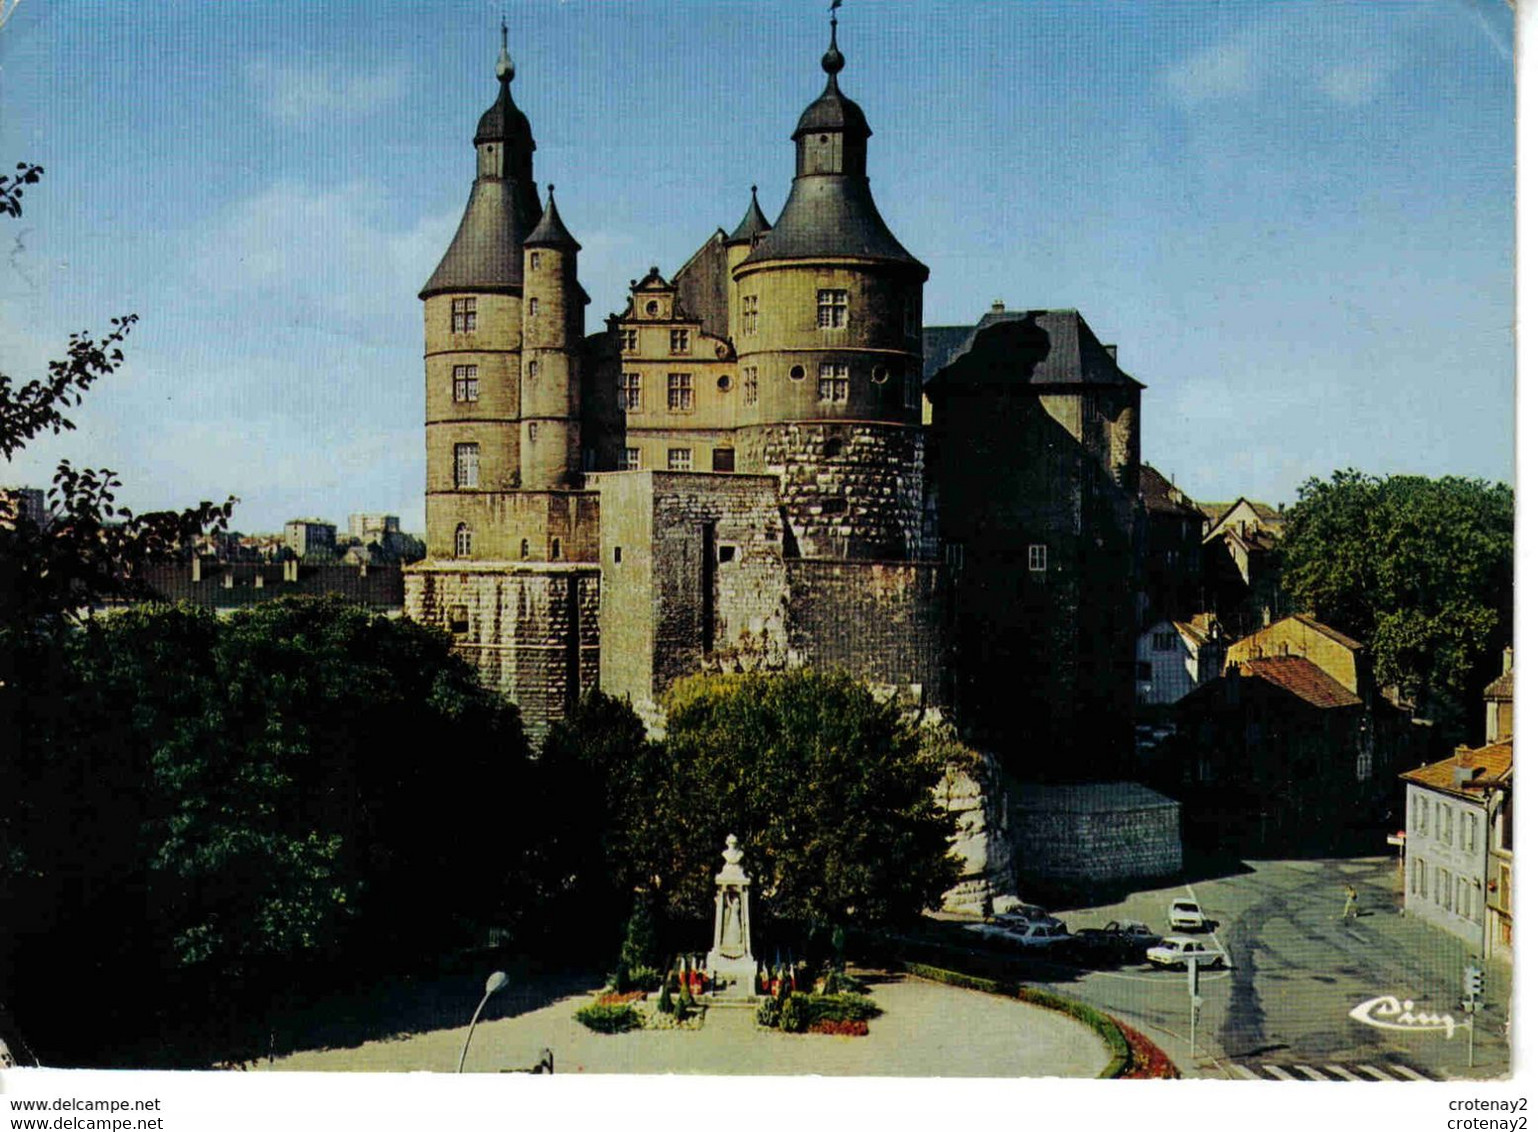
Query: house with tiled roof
[[1293, 746], [1172, 548], [1458, 845], [1499, 702], [1241, 575]]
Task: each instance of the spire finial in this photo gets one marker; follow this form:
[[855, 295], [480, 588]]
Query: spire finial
[[504, 60], [833, 58]]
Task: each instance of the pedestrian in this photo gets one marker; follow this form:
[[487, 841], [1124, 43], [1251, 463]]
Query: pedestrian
[[1349, 913]]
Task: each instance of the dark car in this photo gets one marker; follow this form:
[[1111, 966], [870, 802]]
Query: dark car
[[1117, 942]]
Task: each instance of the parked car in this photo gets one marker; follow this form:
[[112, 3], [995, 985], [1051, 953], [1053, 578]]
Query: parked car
[[1187, 916], [1117, 942], [1176, 950], [1032, 935], [1027, 913]]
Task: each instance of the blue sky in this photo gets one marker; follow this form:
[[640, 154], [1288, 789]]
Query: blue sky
[[1295, 218]]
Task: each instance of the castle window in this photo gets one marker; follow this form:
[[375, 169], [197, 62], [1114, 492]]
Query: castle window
[[467, 465], [462, 541], [1036, 556], [459, 615], [630, 392], [533, 259], [461, 316], [680, 460], [555, 550], [533, 430], [833, 382], [632, 460], [534, 368], [523, 548], [1164, 642], [724, 382], [749, 314], [533, 307], [652, 308], [910, 317], [627, 340], [678, 341], [723, 459], [617, 556], [750, 385], [680, 393], [879, 375], [832, 309], [467, 383], [912, 395], [797, 373], [726, 552]]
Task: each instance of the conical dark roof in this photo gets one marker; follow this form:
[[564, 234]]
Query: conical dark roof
[[550, 232], [487, 251], [832, 111], [504, 122], [754, 223]]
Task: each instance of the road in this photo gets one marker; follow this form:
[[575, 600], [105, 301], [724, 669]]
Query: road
[[1296, 972]]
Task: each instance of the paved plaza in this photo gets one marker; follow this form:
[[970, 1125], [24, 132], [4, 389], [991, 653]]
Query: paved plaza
[[927, 1030]]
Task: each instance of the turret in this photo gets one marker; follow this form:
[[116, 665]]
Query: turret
[[550, 455], [744, 239]]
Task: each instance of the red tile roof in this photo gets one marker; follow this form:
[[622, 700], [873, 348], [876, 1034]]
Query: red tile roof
[[1501, 687], [1491, 765], [1303, 678]]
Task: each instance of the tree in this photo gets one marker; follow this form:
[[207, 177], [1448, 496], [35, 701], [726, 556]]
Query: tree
[[829, 793], [266, 795], [1421, 570]]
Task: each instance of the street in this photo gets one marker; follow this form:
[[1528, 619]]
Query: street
[[1281, 1009]]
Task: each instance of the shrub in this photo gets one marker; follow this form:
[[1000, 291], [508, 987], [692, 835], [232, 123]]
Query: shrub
[[840, 1008], [795, 1016], [639, 950], [602, 1018], [665, 999], [838, 982], [769, 1013]]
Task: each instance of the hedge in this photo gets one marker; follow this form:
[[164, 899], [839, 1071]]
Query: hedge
[[1104, 1027]]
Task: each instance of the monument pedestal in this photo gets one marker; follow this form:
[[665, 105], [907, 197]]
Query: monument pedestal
[[731, 961]]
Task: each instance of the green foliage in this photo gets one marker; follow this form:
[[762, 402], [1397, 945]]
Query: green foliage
[[259, 797], [837, 982], [603, 1018], [795, 1015], [839, 1007], [768, 1014], [1420, 570], [665, 997], [684, 1004], [829, 793], [640, 946]]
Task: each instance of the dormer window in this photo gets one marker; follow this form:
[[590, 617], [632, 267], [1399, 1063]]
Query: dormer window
[[652, 308], [832, 309], [749, 314], [678, 341]]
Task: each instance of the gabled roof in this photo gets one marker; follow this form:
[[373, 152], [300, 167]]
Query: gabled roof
[[1161, 496], [1324, 630], [1502, 687], [1039, 348], [1303, 678], [1491, 766]]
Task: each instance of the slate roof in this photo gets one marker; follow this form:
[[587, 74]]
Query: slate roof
[[831, 214], [1303, 678], [753, 223], [550, 232], [1161, 496], [1043, 347], [1491, 765]]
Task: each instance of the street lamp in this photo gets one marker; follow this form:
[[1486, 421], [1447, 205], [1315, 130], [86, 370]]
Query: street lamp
[[496, 982]]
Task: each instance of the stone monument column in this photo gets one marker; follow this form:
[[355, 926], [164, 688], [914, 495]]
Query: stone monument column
[[731, 954]]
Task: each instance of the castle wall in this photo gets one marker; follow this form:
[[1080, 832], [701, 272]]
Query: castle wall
[[884, 623], [531, 630], [500, 522], [1093, 833], [849, 490]]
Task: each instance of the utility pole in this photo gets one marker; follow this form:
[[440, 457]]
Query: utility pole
[[1193, 985], [1473, 990]]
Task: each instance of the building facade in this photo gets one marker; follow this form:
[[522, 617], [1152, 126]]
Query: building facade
[[735, 473]]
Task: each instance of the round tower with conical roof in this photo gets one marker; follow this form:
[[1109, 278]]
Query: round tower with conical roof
[[551, 443], [828, 307], [472, 309]]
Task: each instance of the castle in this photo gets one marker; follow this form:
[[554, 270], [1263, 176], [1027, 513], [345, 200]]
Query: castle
[[767, 460]]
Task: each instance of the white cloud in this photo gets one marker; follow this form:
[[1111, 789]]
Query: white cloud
[[1345, 57], [297, 92]]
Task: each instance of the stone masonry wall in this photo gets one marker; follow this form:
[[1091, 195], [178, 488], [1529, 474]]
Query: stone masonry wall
[[849, 490], [882, 622], [531, 631], [1065, 842], [975, 796]]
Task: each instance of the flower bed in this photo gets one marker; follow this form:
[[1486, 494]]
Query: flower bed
[[614, 998], [1149, 1062], [609, 1018], [848, 1029]]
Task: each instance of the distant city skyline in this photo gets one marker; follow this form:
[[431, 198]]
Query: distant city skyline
[[1294, 219]]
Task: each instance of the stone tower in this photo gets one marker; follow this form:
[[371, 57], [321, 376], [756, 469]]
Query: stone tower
[[826, 310], [511, 566]]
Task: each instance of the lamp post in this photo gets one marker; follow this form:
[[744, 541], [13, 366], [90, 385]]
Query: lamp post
[[496, 982]]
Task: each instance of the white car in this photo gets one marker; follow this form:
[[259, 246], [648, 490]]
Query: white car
[[1032, 934], [1187, 916], [1176, 951]]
